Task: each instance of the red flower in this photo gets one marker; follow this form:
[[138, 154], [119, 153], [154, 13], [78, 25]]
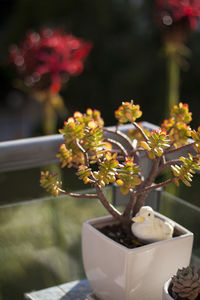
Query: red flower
[[50, 55], [175, 10]]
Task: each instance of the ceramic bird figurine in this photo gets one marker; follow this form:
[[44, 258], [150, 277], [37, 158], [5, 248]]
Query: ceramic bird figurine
[[148, 228]]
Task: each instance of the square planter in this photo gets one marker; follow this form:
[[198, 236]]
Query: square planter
[[116, 272]]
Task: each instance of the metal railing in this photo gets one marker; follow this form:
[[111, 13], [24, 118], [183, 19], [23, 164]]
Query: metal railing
[[37, 151]]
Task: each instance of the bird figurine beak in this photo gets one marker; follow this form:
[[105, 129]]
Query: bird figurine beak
[[138, 219]]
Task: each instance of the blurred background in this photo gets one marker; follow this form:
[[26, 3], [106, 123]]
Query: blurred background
[[127, 60]]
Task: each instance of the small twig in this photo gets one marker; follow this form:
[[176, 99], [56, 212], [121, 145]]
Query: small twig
[[84, 153], [155, 186], [122, 135], [75, 195], [92, 178], [117, 126], [163, 159], [179, 148], [167, 163], [115, 143], [100, 195], [140, 130]]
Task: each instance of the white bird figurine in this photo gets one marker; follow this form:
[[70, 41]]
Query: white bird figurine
[[148, 228]]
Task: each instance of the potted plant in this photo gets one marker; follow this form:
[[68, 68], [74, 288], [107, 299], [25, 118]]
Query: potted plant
[[119, 265], [184, 285]]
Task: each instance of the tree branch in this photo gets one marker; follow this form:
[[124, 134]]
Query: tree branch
[[130, 205], [93, 179], [140, 130], [148, 182], [136, 205], [153, 187], [100, 195], [123, 150], [179, 148], [84, 153], [150, 179], [75, 195], [122, 135], [167, 163], [108, 206]]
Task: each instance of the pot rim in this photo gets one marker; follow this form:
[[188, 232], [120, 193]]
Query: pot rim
[[109, 219], [166, 287]]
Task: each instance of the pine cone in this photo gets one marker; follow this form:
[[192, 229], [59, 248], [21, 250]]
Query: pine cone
[[186, 283]]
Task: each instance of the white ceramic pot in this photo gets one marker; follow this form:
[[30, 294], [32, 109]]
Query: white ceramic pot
[[166, 295], [118, 273]]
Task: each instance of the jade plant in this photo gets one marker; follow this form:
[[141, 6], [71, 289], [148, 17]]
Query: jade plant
[[101, 160], [186, 284]]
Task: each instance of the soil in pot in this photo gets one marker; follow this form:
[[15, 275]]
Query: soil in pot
[[123, 236]]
